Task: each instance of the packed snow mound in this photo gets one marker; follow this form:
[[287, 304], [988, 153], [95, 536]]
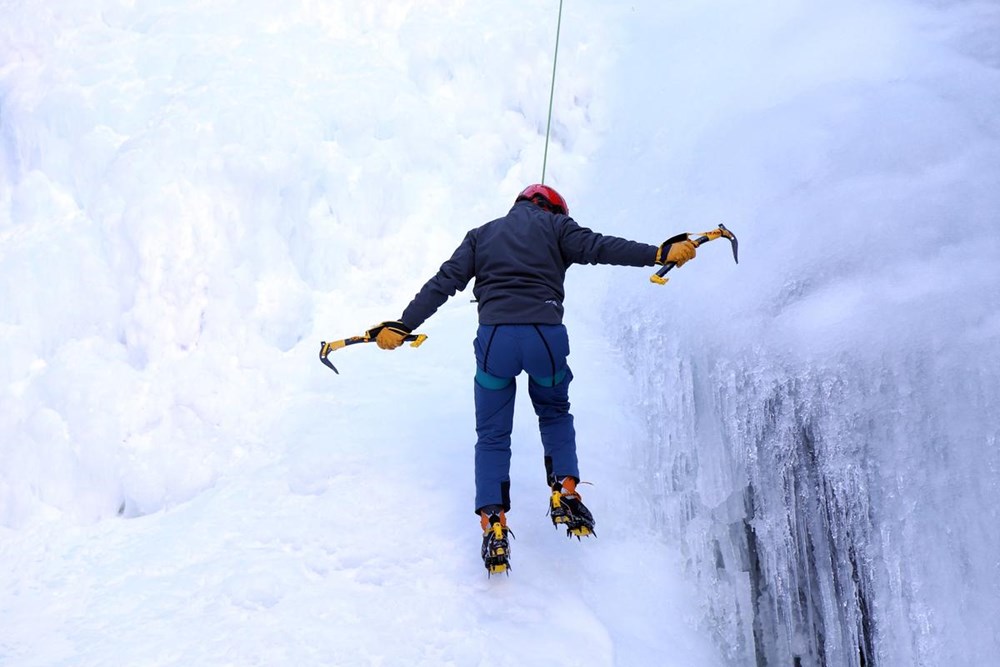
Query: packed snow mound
[[191, 197]]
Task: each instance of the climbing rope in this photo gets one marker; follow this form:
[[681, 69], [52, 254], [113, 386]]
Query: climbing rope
[[552, 91]]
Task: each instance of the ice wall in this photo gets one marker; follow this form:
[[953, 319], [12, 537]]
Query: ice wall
[[823, 436]]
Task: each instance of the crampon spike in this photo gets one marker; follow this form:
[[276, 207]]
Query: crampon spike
[[580, 531]]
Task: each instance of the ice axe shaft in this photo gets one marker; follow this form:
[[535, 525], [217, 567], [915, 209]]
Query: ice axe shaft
[[369, 336], [705, 237]]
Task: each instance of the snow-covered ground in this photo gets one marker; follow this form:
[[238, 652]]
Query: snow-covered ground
[[193, 195], [354, 543]]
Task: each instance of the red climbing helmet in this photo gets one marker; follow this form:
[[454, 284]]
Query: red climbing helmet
[[552, 198]]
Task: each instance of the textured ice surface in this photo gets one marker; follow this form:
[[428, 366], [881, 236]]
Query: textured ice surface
[[823, 432]]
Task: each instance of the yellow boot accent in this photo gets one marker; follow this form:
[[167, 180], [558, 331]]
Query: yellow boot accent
[[556, 503], [498, 534]]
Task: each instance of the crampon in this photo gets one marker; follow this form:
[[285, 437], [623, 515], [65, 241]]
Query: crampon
[[496, 547], [566, 508]]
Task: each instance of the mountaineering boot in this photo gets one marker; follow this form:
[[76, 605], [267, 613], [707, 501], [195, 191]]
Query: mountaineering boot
[[567, 508], [496, 549]]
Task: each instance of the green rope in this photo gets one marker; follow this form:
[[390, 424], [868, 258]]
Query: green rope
[[552, 91]]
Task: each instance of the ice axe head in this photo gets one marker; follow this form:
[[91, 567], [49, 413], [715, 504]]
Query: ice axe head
[[324, 350], [732, 240]]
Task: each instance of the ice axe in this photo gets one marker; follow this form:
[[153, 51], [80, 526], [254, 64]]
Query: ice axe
[[705, 237], [367, 337]]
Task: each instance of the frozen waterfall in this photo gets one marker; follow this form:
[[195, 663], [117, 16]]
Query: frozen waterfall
[[822, 418]]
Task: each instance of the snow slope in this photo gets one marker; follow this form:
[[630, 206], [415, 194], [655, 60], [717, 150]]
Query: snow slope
[[352, 550], [192, 196]]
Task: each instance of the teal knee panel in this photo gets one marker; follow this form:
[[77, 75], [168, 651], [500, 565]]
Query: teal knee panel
[[550, 380], [487, 381]]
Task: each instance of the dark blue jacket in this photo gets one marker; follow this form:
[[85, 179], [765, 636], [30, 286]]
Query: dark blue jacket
[[519, 262]]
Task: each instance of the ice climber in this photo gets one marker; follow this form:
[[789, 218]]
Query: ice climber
[[519, 262]]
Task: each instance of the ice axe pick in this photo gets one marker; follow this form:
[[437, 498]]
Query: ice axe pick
[[705, 237]]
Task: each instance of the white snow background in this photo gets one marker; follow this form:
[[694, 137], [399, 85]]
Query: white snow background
[[193, 195]]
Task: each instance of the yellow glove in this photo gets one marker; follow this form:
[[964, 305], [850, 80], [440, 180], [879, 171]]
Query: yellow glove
[[389, 335], [677, 249]]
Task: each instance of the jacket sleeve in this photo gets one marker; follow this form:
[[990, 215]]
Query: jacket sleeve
[[580, 245], [452, 277]]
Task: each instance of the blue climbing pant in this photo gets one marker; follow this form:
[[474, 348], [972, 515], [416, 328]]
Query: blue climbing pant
[[502, 352]]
